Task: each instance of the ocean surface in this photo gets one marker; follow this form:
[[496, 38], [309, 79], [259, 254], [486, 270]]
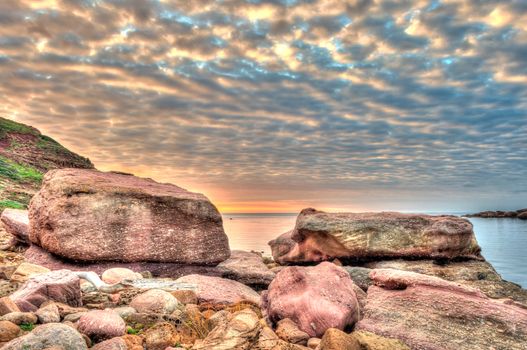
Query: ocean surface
[[503, 241]]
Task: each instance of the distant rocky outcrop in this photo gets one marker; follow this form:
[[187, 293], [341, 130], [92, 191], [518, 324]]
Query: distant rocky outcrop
[[91, 216], [320, 236], [517, 214]]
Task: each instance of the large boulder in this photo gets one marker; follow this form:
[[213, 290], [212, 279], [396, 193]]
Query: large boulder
[[322, 236], [247, 268], [88, 215], [16, 223], [220, 291], [316, 298], [62, 286], [49, 336], [39, 256], [430, 313]]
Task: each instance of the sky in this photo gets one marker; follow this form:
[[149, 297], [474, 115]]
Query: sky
[[278, 105]]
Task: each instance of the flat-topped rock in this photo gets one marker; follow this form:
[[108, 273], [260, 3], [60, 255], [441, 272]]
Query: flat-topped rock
[[473, 273], [429, 313], [16, 223], [247, 268], [220, 291], [87, 215], [322, 236]]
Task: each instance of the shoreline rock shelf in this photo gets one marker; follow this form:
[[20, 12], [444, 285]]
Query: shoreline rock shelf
[[418, 281], [320, 236]]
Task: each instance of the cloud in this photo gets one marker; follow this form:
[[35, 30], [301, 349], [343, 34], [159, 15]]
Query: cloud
[[322, 102]]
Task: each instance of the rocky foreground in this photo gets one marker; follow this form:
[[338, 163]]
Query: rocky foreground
[[110, 261]]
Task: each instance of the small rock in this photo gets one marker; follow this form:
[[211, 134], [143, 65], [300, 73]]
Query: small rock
[[65, 309], [335, 339], [371, 341], [118, 274], [60, 285], [217, 290], [240, 332], [111, 344], [185, 296], [218, 318], [313, 343], [8, 331], [48, 336], [74, 317], [155, 301], [48, 314], [133, 342], [7, 305], [101, 324], [16, 223], [26, 270], [20, 317], [268, 339], [125, 311], [287, 330], [161, 336], [360, 276], [247, 268], [7, 268]]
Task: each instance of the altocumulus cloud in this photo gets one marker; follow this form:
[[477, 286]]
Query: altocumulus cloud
[[273, 105]]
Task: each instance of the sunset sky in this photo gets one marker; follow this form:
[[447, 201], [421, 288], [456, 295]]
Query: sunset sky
[[277, 105]]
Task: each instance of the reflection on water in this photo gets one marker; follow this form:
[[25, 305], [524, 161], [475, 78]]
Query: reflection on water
[[503, 241], [253, 231], [504, 245]]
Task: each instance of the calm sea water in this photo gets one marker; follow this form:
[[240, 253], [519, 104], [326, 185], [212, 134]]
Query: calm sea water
[[503, 241]]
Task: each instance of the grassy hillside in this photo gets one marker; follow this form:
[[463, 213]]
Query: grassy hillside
[[25, 155]]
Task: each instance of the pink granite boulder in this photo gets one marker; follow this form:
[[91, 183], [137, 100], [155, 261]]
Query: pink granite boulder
[[323, 236], [16, 223], [430, 313], [62, 286], [221, 291], [101, 325], [315, 298], [87, 215]]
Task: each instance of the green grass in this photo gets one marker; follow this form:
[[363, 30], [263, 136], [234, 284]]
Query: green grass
[[7, 126], [131, 330], [18, 172], [47, 143], [27, 326], [11, 204]]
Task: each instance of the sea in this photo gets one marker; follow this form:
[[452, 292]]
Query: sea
[[503, 241]]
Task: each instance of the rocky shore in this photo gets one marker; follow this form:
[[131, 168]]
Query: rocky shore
[[110, 261]]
